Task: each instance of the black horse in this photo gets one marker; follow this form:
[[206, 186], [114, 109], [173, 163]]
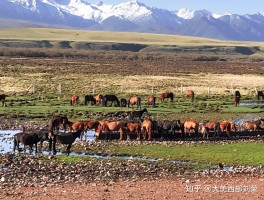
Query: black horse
[[30, 139], [66, 138], [3, 99], [112, 98], [58, 120], [89, 98], [137, 114], [260, 94], [123, 102], [168, 128]]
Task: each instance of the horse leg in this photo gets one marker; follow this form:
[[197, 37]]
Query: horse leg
[[15, 144], [68, 149], [36, 146], [54, 146]]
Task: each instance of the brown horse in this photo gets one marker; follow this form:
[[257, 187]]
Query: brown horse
[[133, 127], [134, 100], [74, 100], [3, 99], [110, 126], [151, 101], [227, 127], [211, 126], [236, 100], [189, 93], [30, 139], [166, 95], [66, 138], [98, 98], [58, 120], [191, 124], [146, 128], [252, 126], [75, 126]]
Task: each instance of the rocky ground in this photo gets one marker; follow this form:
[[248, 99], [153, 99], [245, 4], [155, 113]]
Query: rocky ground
[[43, 177]]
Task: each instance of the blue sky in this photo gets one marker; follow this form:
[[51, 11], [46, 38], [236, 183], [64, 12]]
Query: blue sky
[[216, 6]]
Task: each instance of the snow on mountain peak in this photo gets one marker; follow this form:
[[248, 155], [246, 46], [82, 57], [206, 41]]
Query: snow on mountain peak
[[185, 13]]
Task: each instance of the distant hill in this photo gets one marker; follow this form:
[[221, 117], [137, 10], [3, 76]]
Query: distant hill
[[131, 16]]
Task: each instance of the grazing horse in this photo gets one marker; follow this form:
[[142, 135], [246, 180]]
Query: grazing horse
[[89, 98], [109, 126], [166, 95], [151, 101], [137, 114], [167, 126], [191, 124], [133, 127], [123, 102], [98, 98], [189, 93], [75, 126], [260, 94], [3, 99], [111, 98], [210, 126], [65, 138], [252, 126], [56, 121], [227, 127], [134, 100], [90, 125], [74, 100], [146, 128], [30, 139]]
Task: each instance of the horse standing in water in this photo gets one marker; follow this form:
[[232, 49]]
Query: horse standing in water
[[74, 100], [134, 100], [56, 121], [191, 124], [189, 93], [213, 126], [66, 138], [252, 126], [167, 95]]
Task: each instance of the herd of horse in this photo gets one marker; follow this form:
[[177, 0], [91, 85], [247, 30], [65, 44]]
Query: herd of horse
[[135, 127]]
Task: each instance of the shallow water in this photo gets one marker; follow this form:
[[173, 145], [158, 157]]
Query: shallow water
[[251, 103], [6, 141]]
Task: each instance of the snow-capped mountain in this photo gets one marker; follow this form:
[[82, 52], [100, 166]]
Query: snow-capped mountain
[[131, 16]]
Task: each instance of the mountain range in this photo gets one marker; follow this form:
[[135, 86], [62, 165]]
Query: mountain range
[[131, 16]]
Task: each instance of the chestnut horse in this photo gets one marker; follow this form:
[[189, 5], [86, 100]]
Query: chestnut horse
[[252, 126], [227, 127], [189, 93], [98, 98], [133, 127], [166, 95], [146, 128], [66, 138], [211, 126], [74, 100], [191, 124], [75, 126], [109, 126], [134, 100], [151, 101]]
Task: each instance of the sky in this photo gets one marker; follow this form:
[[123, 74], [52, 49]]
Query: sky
[[215, 6]]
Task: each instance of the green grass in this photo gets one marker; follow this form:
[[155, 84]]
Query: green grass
[[250, 153]]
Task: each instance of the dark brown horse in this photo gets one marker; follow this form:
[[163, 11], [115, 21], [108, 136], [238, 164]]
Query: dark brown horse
[[260, 95], [236, 100], [30, 139], [74, 100], [167, 95], [252, 125], [109, 126], [151, 101], [58, 120], [3, 99], [65, 138], [89, 98], [191, 125], [189, 93], [168, 128], [137, 114], [112, 98], [134, 100], [211, 126]]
